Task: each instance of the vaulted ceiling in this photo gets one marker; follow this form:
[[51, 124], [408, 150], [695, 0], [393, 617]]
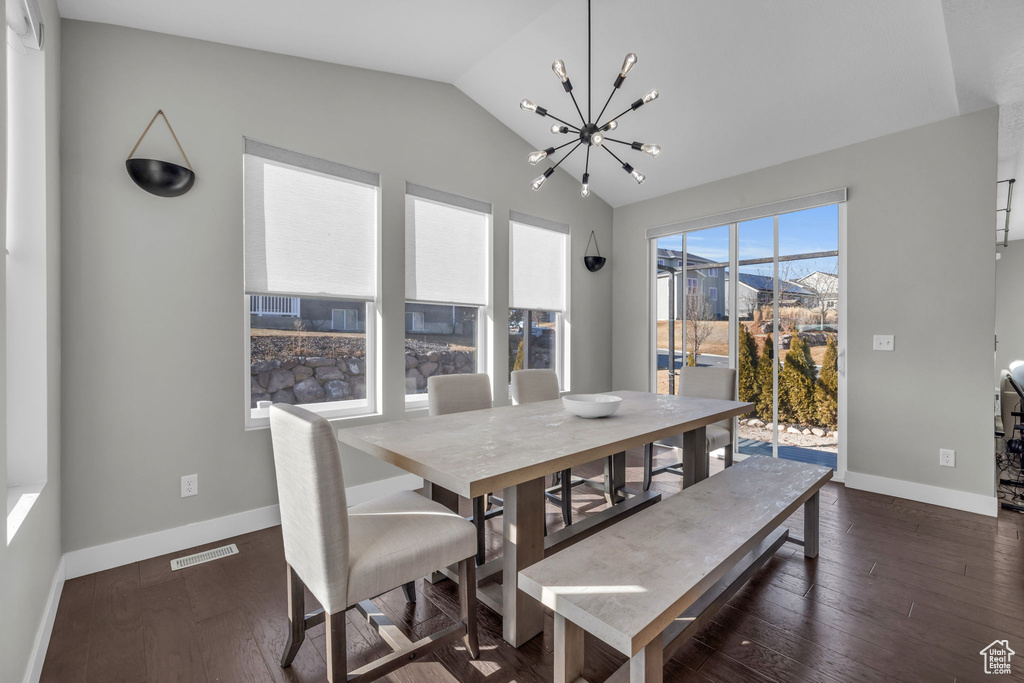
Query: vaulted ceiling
[[744, 85]]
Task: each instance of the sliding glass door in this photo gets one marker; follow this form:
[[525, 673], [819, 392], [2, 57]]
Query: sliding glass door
[[777, 321]]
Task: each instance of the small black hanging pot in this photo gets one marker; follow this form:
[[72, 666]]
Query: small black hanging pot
[[161, 178], [593, 263]]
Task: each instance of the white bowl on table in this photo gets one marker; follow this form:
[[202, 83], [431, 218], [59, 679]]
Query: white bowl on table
[[591, 405]]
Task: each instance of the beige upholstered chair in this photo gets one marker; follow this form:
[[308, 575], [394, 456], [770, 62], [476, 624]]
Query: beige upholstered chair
[[456, 394], [717, 383], [530, 386], [346, 556]]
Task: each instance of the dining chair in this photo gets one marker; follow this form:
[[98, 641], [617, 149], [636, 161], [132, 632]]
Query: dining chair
[[348, 555], [530, 386], [448, 394], [717, 383]]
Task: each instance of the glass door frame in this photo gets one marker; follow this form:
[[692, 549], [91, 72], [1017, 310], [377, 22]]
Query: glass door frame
[[732, 302]]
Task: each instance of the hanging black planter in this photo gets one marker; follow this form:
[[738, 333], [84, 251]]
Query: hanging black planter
[[161, 178], [594, 263]]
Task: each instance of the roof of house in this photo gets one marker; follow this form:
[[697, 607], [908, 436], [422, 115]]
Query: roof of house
[[765, 283], [676, 254]]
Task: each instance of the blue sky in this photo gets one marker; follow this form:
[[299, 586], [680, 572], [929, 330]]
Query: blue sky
[[799, 233]]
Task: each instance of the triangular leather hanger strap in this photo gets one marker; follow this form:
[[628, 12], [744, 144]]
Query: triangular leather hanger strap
[[160, 112]]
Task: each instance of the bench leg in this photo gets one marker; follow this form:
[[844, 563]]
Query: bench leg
[[647, 665], [568, 650], [811, 525], [728, 456]]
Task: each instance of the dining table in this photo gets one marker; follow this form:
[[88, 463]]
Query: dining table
[[512, 449]]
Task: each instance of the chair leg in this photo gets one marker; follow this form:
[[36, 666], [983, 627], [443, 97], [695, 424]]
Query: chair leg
[[467, 603], [337, 669], [556, 478], [410, 591], [296, 617], [479, 522], [566, 494], [648, 464]]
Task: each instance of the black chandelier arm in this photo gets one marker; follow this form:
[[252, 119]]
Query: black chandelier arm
[[559, 162], [590, 59], [555, 149], [586, 168], [574, 127], [617, 117], [607, 102], [614, 155], [577, 107], [632, 145]]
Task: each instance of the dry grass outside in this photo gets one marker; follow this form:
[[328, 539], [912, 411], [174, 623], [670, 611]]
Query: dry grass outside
[[717, 343]]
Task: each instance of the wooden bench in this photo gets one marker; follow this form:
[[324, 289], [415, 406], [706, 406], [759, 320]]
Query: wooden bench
[[646, 585]]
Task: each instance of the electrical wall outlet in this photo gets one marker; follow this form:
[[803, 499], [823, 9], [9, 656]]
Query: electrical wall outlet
[[884, 342], [189, 485], [947, 457]]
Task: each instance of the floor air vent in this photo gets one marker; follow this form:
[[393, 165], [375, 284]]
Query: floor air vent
[[205, 556]]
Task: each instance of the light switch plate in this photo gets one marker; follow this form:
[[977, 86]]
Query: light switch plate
[[884, 342]]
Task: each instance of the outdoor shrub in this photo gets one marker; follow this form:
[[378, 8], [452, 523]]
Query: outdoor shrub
[[826, 391], [764, 380], [747, 366], [796, 384], [519, 358]]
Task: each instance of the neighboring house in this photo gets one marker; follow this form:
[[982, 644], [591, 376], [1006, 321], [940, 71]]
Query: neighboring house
[[437, 319], [757, 290], [709, 281], [315, 315], [825, 286]]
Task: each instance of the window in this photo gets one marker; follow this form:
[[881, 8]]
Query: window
[[713, 293], [414, 321], [27, 328], [661, 262], [691, 284], [311, 234], [712, 272], [447, 281], [538, 294]]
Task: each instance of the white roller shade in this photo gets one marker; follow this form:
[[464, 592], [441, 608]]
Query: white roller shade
[[310, 226], [446, 252], [537, 267]]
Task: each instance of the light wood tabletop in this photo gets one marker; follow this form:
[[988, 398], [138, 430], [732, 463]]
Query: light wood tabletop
[[476, 452]]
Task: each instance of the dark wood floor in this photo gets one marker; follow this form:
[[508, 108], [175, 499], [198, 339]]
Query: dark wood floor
[[902, 591]]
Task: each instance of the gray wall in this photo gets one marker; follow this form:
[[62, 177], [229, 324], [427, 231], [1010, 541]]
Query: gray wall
[[133, 261], [1010, 305], [28, 564], [919, 217]]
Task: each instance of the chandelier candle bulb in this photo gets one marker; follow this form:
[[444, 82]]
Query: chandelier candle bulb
[[558, 66], [596, 139], [527, 105], [653, 150], [611, 125], [652, 95], [628, 63], [585, 187], [541, 154], [539, 180], [556, 129]]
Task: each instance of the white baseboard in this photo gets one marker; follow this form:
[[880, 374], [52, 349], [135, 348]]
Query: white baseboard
[[42, 641], [99, 558], [924, 493]]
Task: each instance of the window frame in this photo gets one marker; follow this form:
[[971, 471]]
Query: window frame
[[259, 418]]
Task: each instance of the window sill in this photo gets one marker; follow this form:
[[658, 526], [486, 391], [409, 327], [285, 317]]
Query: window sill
[[20, 500], [256, 418], [415, 403]]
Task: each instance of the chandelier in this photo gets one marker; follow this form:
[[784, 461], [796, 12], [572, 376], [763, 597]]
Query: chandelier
[[590, 132]]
